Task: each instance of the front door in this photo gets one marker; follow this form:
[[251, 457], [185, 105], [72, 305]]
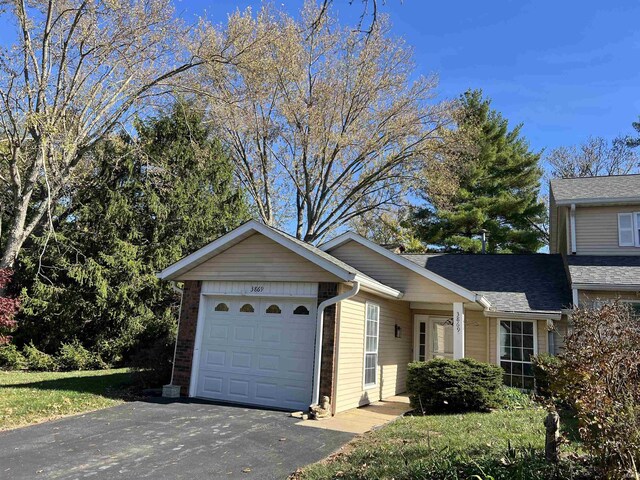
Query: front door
[[434, 337]]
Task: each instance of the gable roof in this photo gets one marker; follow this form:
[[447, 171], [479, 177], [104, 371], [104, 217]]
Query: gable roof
[[604, 271], [511, 282], [596, 190], [329, 263], [433, 276]]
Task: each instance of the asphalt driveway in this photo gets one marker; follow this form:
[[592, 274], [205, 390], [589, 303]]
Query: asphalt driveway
[[191, 440]]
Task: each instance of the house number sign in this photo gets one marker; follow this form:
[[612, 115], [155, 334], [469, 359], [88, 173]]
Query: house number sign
[[458, 323], [257, 288]]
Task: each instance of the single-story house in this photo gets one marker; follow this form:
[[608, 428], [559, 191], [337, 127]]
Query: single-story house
[[269, 320]]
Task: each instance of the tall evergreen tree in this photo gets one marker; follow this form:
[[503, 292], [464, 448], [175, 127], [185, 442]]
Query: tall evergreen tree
[[148, 202], [498, 189]]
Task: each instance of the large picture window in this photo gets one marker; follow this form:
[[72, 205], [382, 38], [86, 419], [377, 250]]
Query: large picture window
[[371, 332], [517, 346]]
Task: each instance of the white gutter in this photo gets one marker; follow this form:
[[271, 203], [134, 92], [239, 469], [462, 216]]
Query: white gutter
[[483, 301], [315, 399], [175, 345], [572, 219]]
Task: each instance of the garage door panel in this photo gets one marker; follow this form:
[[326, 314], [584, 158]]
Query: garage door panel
[[258, 357]]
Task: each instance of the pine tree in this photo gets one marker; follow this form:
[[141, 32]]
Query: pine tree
[[149, 201], [498, 189]]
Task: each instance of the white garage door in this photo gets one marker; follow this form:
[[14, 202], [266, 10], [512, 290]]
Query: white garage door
[[258, 351]]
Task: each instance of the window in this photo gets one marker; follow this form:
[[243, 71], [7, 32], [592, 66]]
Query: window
[[222, 307], [371, 332], [301, 310], [517, 346], [247, 308], [273, 309], [629, 229]]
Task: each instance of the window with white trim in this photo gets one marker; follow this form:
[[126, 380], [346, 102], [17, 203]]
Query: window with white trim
[[371, 338], [629, 229], [517, 346]]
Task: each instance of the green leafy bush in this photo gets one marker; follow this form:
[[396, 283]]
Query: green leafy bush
[[11, 358], [442, 385], [39, 361], [544, 366], [512, 398], [73, 356]]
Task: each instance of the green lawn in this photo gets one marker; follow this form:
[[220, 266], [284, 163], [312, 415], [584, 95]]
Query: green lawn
[[32, 397], [505, 444]]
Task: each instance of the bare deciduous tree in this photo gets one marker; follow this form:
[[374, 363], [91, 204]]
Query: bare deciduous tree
[[595, 157], [323, 121], [76, 70]]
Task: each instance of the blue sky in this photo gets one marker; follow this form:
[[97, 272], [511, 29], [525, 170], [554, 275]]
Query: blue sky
[[566, 69]]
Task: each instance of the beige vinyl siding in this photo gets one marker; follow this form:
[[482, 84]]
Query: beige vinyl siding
[[393, 353], [543, 344], [587, 297], [475, 332], [414, 286], [259, 258], [597, 230]]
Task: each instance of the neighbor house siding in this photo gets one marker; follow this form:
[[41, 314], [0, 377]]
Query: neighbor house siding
[[587, 297], [415, 287], [597, 231], [259, 258], [393, 353]]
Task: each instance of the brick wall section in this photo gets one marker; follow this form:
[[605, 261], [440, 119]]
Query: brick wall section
[[186, 335], [326, 291]]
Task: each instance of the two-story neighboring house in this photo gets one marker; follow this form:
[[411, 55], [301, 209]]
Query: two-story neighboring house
[[595, 225]]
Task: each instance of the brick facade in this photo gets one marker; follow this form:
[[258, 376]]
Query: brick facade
[[186, 335], [326, 291]]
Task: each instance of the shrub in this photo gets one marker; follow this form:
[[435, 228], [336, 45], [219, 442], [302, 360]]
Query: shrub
[[39, 361], [442, 385], [544, 366], [512, 398], [73, 356], [600, 378], [11, 358]]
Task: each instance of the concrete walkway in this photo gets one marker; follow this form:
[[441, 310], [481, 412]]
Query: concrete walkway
[[363, 419]]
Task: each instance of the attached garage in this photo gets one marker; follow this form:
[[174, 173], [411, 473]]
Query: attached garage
[[258, 323], [256, 350]]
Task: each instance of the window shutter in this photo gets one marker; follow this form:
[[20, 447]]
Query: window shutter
[[625, 230]]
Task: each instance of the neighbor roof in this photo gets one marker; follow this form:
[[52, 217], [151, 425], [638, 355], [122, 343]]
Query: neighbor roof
[[609, 189], [591, 270], [512, 283]]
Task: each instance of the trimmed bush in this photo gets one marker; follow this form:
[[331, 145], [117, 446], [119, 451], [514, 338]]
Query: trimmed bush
[[544, 366], [11, 358], [39, 361], [73, 356], [442, 385]]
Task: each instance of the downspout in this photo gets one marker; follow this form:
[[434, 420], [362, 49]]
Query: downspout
[[315, 399], [572, 219], [175, 345]]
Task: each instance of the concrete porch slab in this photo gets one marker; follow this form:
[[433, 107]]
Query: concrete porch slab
[[364, 419]]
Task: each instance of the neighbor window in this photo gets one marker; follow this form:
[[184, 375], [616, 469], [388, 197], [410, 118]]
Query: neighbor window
[[629, 229], [371, 332], [517, 346]]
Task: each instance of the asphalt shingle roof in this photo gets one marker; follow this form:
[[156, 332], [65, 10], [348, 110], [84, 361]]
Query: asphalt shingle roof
[[611, 270], [619, 187], [512, 283]]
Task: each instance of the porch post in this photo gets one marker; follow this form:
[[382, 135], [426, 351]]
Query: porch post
[[458, 330]]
